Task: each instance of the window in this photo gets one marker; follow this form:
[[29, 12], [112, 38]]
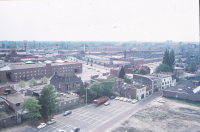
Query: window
[[35, 71], [19, 72], [27, 72], [31, 71], [59, 86]]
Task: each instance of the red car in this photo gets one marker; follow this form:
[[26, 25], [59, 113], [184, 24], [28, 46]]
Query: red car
[[15, 80]]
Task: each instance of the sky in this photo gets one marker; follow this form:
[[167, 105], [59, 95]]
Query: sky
[[100, 20]]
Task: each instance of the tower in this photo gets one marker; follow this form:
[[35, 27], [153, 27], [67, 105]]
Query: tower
[[124, 54], [34, 44]]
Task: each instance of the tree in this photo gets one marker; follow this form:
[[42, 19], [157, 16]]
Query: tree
[[179, 60], [21, 84], [48, 100], [31, 104], [44, 79], [82, 52], [188, 58], [196, 57], [142, 71], [127, 80], [110, 76], [162, 68], [97, 88], [122, 73], [171, 60], [186, 69], [104, 64], [7, 84], [3, 46], [91, 64], [193, 66], [95, 62], [91, 61], [32, 81], [166, 58], [99, 63]]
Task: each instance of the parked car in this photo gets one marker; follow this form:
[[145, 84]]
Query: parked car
[[125, 99], [15, 80], [27, 79], [61, 130], [107, 103], [42, 125], [112, 97], [117, 98], [67, 113], [21, 90], [161, 101], [121, 98], [75, 129], [51, 121], [129, 100], [134, 101]]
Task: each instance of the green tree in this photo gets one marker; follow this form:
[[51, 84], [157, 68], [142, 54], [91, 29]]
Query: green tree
[[193, 66], [31, 104], [188, 58], [110, 76], [44, 79], [142, 71], [186, 69], [162, 68], [32, 81], [48, 100], [171, 60], [91, 61], [99, 63], [166, 58], [104, 64], [91, 64], [179, 60], [95, 62], [196, 57], [97, 88], [122, 73], [127, 80], [7, 84], [21, 84]]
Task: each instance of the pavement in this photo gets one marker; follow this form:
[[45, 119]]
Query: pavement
[[91, 118]]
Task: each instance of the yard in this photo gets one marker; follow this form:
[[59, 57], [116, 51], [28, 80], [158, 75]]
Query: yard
[[173, 115]]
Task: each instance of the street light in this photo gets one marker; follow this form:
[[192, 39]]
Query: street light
[[86, 95]]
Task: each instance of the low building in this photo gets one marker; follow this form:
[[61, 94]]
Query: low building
[[68, 82], [133, 91], [186, 89], [179, 71], [117, 83]]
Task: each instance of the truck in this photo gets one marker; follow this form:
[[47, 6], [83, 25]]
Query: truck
[[101, 100]]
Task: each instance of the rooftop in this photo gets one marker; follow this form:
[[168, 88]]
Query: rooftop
[[15, 98]]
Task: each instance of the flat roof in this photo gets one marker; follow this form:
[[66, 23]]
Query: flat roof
[[15, 98]]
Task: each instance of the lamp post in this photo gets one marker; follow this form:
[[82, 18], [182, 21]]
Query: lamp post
[[86, 95]]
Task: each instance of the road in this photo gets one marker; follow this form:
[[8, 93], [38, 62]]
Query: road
[[94, 119], [113, 123]]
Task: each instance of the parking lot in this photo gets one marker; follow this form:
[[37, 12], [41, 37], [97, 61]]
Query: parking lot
[[86, 118]]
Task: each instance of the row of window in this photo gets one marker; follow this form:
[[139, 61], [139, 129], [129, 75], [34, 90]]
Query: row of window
[[30, 75], [30, 72], [66, 67]]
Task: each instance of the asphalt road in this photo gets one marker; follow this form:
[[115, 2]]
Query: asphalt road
[[114, 122], [94, 119]]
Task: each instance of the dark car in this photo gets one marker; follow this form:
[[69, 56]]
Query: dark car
[[75, 129], [112, 97], [27, 79], [67, 113]]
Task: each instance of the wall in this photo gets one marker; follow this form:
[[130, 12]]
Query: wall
[[2, 90], [69, 103], [186, 96]]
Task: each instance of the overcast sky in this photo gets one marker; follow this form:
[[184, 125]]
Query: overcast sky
[[100, 20]]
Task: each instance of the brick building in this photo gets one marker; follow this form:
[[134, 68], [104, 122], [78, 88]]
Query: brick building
[[65, 83], [133, 91], [37, 70]]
